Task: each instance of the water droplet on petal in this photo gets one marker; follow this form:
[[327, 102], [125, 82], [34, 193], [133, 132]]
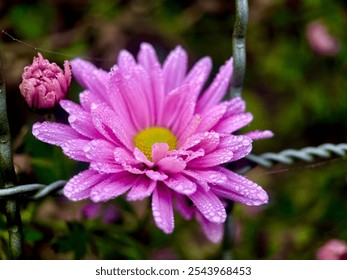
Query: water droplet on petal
[[86, 149], [216, 219], [72, 119]]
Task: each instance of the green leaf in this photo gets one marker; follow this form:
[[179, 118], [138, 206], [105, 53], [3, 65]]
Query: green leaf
[[76, 241]]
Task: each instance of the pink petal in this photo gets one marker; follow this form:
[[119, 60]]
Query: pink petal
[[214, 232], [189, 130], [208, 141], [113, 186], [159, 150], [156, 175], [90, 77], [195, 155], [121, 107], [180, 184], [214, 158], [197, 178], [194, 140], [134, 98], [179, 109], [162, 209], [87, 99], [138, 78], [110, 126], [238, 188], [141, 157], [122, 156], [106, 167], [171, 164], [149, 61], [99, 150], [206, 176], [233, 123], [240, 145], [258, 135], [209, 205], [79, 119], [54, 133], [79, 186], [174, 68], [80, 69], [235, 106], [67, 74], [74, 149], [126, 61], [211, 117], [144, 80], [198, 76], [134, 170], [142, 189], [181, 204], [188, 155], [217, 89]]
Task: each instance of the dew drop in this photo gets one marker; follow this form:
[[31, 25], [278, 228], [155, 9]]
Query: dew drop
[[216, 219], [86, 149], [36, 132], [72, 119], [245, 142], [156, 213], [262, 195]]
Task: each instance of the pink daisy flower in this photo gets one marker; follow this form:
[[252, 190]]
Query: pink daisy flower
[[150, 130]]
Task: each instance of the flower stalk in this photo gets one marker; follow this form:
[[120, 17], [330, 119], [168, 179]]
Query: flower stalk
[[8, 178]]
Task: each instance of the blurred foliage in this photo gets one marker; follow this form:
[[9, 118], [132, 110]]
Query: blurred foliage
[[291, 89]]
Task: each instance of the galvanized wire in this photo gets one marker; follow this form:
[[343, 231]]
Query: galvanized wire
[[266, 160], [239, 67], [290, 156], [239, 48], [33, 191]]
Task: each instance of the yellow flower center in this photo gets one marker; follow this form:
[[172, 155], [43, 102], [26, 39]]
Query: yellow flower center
[[149, 136]]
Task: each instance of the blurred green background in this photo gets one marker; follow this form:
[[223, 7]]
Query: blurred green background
[[295, 86]]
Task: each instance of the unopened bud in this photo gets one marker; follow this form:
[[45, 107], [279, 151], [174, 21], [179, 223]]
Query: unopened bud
[[44, 84]]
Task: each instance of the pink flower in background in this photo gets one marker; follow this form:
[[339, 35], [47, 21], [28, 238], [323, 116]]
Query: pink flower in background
[[150, 130], [108, 213], [334, 249], [44, 84], [320, 40]]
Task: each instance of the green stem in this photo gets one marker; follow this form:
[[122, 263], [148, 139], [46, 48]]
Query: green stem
[[8, 178]]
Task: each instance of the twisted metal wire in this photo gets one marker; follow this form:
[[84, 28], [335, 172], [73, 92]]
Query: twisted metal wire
[[308, 154], [267, 160], [28, 190]]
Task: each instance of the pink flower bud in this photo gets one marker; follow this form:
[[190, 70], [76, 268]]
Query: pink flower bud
[[320, 40], [44, 84], [334, 249]]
